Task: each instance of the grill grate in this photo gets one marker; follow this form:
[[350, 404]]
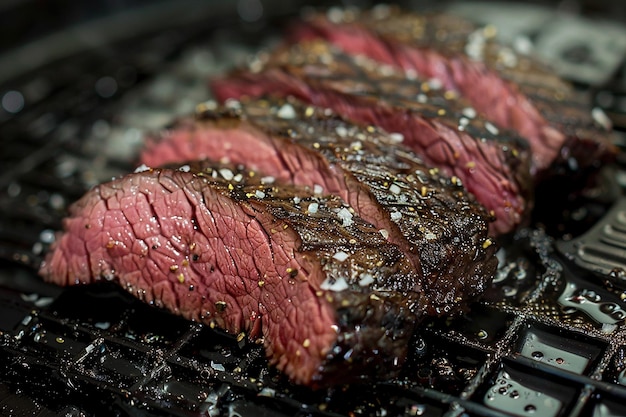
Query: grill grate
[[548, 339]]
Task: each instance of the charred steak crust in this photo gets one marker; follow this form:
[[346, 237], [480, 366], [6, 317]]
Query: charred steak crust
[[441, 229], [492, 163], [511, 88], [331, 300]]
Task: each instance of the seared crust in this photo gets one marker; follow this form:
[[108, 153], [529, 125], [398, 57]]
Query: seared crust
[[253, 259], [515, 90], [438, 225], [443, 128]]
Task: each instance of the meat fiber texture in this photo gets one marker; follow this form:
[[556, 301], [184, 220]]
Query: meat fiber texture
[[437, 124], [440, 227], [512, 89], [331, 300]]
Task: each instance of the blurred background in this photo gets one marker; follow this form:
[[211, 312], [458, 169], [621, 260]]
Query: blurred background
[[585, 40]]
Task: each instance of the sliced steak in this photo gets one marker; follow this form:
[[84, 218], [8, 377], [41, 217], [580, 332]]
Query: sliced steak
[[445, 130], [512, 89], [329, 297], [440, 227]]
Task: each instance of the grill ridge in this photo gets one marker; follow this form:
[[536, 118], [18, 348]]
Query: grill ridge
[[556, 309]]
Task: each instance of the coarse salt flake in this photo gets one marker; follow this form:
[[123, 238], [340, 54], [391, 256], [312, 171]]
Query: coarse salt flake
[[608, 328], [384, 233], [491, 128], [340, 256], [386, 70], [185, 168], [232, 104], [396, 215], [394, 189], [259, 194], [318, 189], [341, 131], [469, 112], [142, 168], [218, 366], [365, 279], [268, 180], [336, 285], [396, 137], [435, 84], [286, 112], [508, 57], [207, 105], [227, 174], [312, 209], [600, 117], [345, 216], [356, 146]]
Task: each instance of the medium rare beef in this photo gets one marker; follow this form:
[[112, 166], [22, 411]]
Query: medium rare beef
[[331, 300], [512, 89], [440, 227], [445, 130]]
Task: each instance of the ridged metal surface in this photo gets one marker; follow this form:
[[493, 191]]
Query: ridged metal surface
[[549, 337]]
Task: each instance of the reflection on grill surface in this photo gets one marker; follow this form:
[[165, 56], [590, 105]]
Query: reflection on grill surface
[[549, 338]]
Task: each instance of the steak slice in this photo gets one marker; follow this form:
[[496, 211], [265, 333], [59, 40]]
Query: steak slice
[[513, 90], [441, 229], [331, 300], [446, 131]]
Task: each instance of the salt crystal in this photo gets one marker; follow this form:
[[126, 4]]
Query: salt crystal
[[336, 285], [396, 137], [341, 131], [232, 104], [435, 84], [608, 328], [491, 128], [394, 189], [227, 174], [366, 279], [386, 70], [142, 168], [600, 117], [523, 44], [286, 112], [345, 216], [508, 57], [469, 112], [218, 366], [341, 256], [411, 74]]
